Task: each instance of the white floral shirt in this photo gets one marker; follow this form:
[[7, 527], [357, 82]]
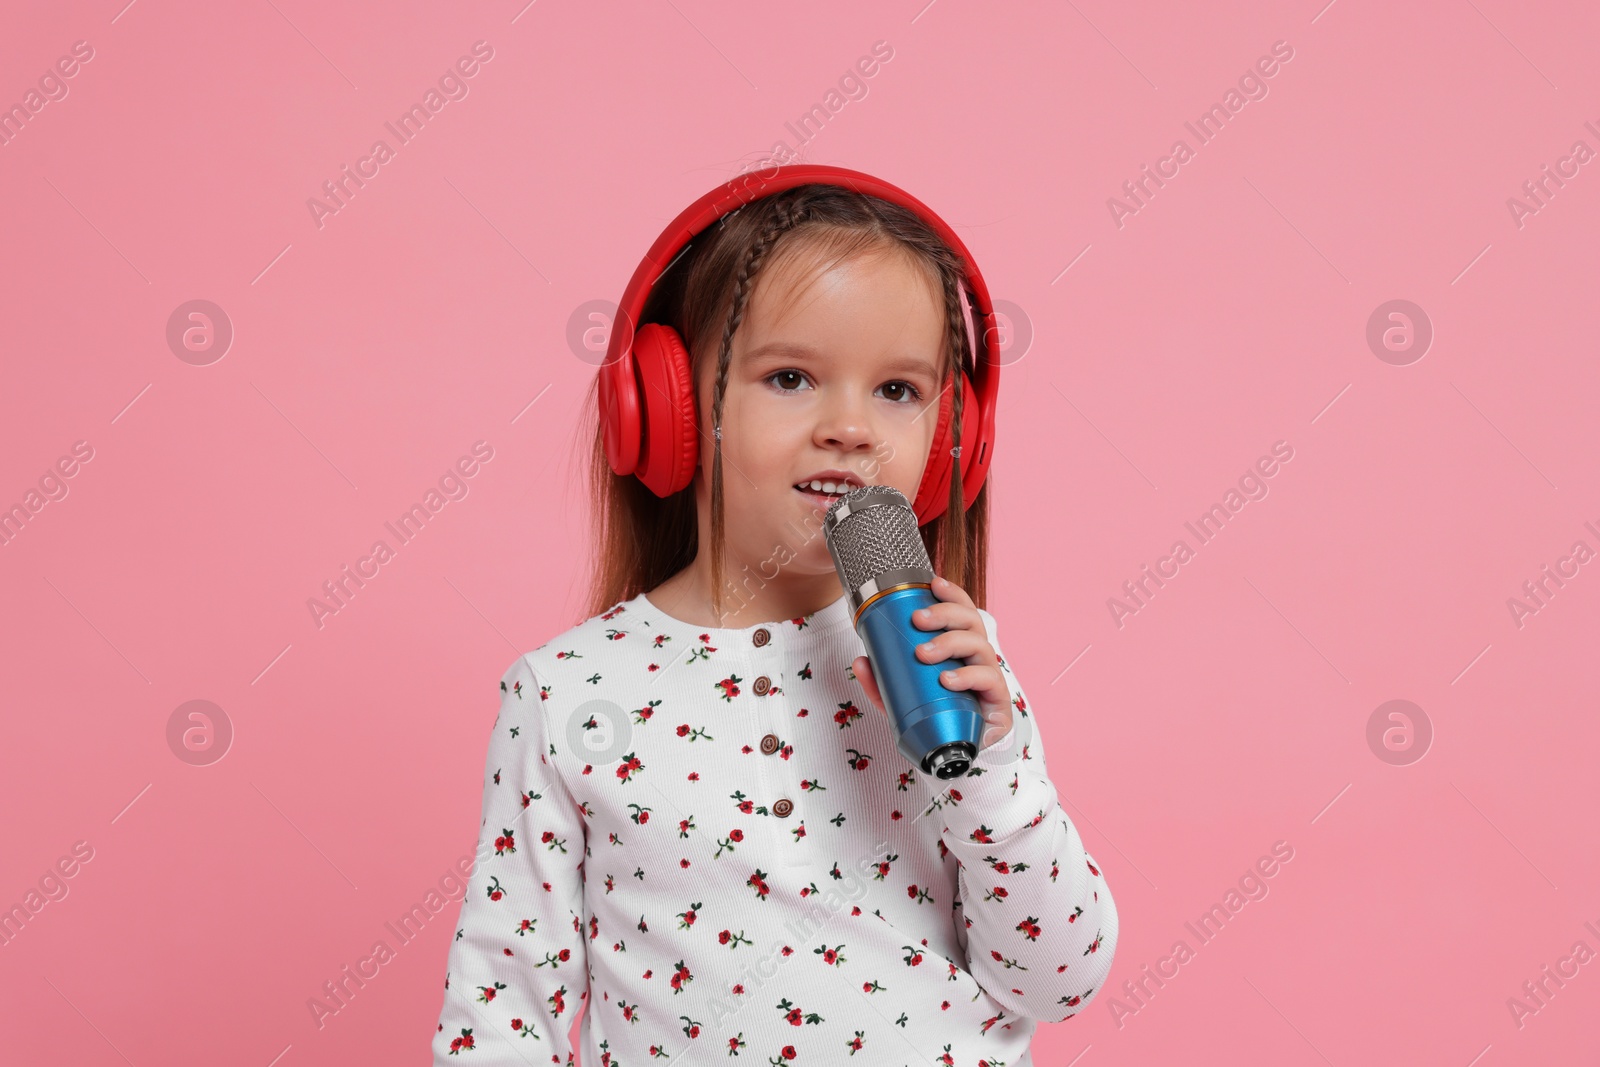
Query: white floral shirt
[[707, 839]]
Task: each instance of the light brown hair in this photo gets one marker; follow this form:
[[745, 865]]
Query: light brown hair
[[641, 539]]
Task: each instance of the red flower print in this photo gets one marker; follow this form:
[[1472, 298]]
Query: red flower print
[[629, 764], [830, 956], [794, 1016]]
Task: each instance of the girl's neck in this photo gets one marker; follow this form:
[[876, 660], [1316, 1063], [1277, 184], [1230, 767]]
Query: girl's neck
[[686, 596]]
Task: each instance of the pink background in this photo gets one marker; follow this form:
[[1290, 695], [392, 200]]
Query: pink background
[[1229, 313]]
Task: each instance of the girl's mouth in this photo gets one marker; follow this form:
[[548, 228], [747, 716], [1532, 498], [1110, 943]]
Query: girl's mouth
[[818, 499]]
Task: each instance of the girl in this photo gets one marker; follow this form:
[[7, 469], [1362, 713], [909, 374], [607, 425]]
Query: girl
[[691, 828]]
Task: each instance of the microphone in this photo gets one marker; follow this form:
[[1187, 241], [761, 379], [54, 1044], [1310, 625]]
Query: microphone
[[883, 565]]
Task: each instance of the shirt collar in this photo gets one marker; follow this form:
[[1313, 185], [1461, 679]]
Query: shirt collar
[[823, 621]]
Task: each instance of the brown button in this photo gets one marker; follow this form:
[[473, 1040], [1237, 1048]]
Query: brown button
[[782, 807], [763, 684], [769, 744], [761, 637]]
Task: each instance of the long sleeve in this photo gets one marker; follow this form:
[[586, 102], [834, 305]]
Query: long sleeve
[[1041, 926], [518, 968]]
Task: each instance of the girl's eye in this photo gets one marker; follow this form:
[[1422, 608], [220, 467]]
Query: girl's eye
[[907, 393], [785, 374], [907, 387]]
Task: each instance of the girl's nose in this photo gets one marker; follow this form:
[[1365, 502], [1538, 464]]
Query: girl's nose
[[844, 423]]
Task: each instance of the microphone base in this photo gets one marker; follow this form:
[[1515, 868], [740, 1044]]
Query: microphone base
[[950, 761]]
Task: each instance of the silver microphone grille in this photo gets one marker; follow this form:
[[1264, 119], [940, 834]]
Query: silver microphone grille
[[872, 535]]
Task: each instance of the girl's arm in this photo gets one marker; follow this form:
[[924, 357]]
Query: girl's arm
[[517, 968], [1041, 924]]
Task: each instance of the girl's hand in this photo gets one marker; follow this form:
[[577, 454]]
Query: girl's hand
[[965, 638]]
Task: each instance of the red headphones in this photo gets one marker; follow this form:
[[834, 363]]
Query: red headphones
[[647, 401]]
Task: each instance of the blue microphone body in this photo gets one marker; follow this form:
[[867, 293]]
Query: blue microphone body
[[883, 565]]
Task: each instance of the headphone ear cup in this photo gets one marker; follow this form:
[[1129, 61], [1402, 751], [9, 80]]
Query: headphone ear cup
[[620, 417], [670, 440], [933, 494]]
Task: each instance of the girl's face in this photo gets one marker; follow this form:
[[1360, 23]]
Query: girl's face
[[832, 370]]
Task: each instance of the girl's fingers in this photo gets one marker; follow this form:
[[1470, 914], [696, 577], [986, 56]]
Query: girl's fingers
[[945, 589], [994, 697], [957, 644], [953, 611], [863, 668], [947, 616]]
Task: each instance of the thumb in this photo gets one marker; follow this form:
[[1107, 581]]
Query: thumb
[[863, 668]]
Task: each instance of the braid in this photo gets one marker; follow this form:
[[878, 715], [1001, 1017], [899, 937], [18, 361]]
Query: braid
[[955, 542], [789, 210]]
